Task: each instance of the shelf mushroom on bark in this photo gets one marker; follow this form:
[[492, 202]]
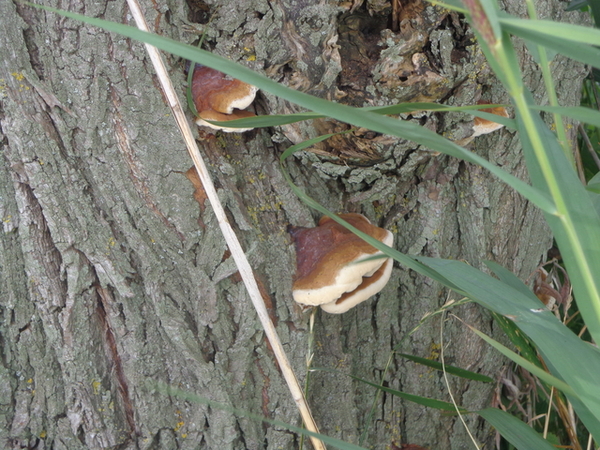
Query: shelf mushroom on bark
[[483, 126], [335, 268], [220, 98]]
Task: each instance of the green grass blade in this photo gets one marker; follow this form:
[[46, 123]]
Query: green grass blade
[[565, 31], [188, 92], [512, 331], [583, 52], [518, 339], [424, 401], [543, 57], [452, 370], [453, 5], [274, 120], [353, 116], [574, 5], [594, 184], [510, 279], [594, 187], [491, 11], [595, 9], [402, 108], [406, 108], [581, 114], [515, 431], [577, 226], [534, 369]]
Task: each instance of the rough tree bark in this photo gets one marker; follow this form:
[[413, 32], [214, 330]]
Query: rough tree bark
[[114, 277]]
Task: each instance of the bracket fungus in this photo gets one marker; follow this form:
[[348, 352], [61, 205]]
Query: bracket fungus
[[334, 266], [218, 97], [483, 126]]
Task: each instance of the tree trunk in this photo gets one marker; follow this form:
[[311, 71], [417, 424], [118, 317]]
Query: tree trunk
[[115, 277]]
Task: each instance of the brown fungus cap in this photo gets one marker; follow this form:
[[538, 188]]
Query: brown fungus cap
[[367, 289], [331, 267], [483, 126], [220, 98]]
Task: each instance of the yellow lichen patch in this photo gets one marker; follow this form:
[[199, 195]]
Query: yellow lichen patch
[[96, 386], [250, 55], [20, 77], [435, 351]]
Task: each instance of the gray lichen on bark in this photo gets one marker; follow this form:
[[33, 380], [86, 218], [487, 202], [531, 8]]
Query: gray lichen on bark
[[115, 278]]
